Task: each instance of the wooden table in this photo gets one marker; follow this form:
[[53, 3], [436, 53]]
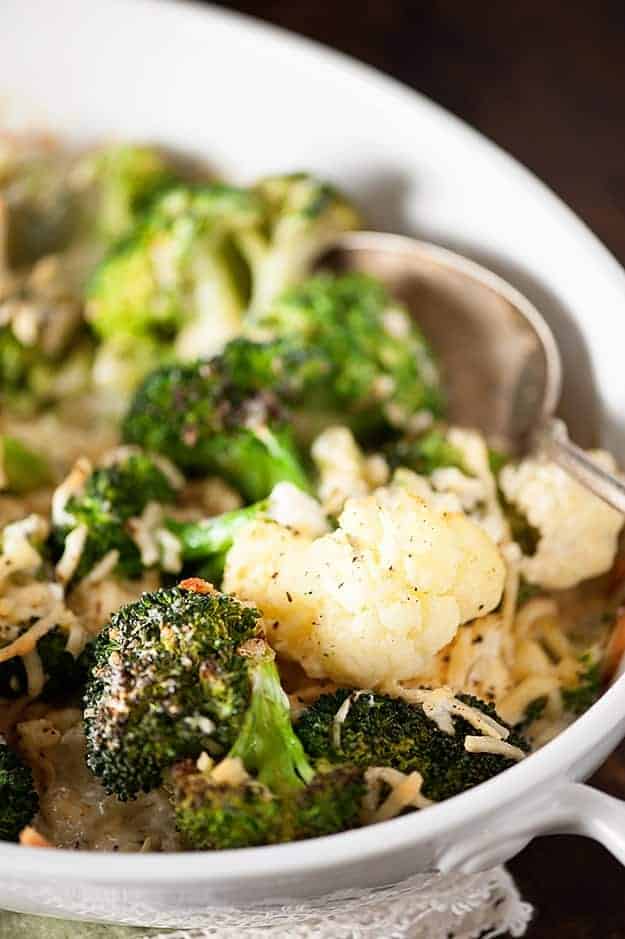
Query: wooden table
[[546, 81]]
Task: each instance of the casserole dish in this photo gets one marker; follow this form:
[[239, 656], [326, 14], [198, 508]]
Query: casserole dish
[[251, 99]]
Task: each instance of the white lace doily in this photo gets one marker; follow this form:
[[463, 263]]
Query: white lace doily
[[427, 906]]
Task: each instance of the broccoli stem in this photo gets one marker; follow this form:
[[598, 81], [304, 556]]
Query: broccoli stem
[[210, 539], [23, 469], [283, 464], [267, 744]]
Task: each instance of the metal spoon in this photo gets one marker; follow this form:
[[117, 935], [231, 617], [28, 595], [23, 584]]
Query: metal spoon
[[500, 360]]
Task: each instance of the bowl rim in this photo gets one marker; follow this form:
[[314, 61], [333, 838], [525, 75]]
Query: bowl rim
[[555, 761]]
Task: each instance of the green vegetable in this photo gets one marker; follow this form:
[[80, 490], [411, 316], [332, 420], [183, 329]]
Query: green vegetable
[[424, 454], [65, 674], [18, 799], [525, 534], [110, 497], [209, 540], [168, 682], [284, 798], [301, 214], [31, 380], [124, 181], [497, 459], [383, 731], [339, 348], [197, 416], [176, 280], [585, 692], [24, 470], [534, 711]]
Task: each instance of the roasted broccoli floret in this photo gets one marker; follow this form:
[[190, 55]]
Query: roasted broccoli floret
[[302, 215], [266, 791], [201, 419], [377, 730], [430, 451], [21, 469], [339, 348], [169, 681], [176, 281], [18, 799], [119, 183], [31, 379], [65, 673], [110, 498]]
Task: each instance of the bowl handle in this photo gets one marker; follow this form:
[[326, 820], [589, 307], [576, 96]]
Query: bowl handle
[[571, 808]]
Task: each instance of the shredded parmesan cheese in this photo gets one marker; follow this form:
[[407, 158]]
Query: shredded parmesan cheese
[[483, 744], [18, 554], [72, 485], [28, 640], [230, 771], [103, 568], [405, 793], [35, 676], [72, 553], [441, 703]]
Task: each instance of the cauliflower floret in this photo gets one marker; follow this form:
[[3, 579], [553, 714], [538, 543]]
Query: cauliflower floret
[[344, 470], [372, 602], [452, 490], [578, 531], [292, 508]]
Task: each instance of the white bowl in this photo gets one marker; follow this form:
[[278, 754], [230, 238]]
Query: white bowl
[[254, 100]]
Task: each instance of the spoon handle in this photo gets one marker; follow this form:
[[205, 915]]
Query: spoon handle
[[554, 441]]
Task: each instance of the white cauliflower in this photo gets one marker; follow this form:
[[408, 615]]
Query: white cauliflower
[[294, 509], [344, 470], [372, 602], [578, 531], [450, 489]]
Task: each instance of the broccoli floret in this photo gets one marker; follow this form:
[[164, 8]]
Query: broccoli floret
[[383, 731], [168, 682], [426, 453], [111, 496], [302, 215], [276, 795], [585, 692], [197, 416], [21, 469], [18, 799], [30, 379], [65, 673], [176, 280], [123, 180], [340, 347]]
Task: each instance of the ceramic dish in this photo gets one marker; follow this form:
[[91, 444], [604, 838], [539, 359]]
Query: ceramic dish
[[256, 100]]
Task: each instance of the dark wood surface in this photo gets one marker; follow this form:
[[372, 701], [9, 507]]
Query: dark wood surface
[[546, 81]]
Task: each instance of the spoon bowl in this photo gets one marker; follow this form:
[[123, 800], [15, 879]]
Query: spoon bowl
[[500, 361]]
